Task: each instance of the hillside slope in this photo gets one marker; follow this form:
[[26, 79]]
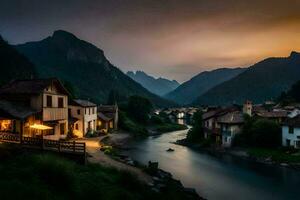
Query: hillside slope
[[262, 81], [199, 84], [13, 65], [83, 65]]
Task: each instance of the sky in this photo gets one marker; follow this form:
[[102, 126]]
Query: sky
[[176, 39]]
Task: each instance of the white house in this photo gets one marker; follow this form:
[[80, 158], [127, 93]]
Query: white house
[[84, 114], [291, 132]]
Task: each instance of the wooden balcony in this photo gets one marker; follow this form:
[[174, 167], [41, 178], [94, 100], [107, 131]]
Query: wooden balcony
[[52, 114]]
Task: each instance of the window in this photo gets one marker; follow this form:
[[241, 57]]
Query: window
[[85, 111], [49, 101], [78, 111], [291, 129], [89, 111], [288, 142], [60, 102], [93, 110], [76, 127]]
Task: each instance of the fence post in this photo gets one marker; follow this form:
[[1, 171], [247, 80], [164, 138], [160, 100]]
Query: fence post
[[59, 146], [73, 146]]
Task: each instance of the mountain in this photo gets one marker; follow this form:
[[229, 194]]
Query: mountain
[[263, 81], [159, 86], [13, 65], [187, 92], [84, 66]]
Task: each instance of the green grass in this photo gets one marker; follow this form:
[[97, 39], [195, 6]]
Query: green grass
[[278, 155], [47, 176]]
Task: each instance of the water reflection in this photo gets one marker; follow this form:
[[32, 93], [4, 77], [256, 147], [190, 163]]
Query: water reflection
[[217, 177]]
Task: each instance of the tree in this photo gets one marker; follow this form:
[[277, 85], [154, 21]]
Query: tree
[[139, 108], [259, 133], [196, 133]]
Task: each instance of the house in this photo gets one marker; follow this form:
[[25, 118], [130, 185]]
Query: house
[[108, 118], [34, 108], [210, 123], [291, 132], [230, 125], [83, 116]]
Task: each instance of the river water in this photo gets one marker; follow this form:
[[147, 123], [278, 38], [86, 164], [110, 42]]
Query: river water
[[222, 177]]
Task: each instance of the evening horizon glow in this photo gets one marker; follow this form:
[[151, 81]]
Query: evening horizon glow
[[173, 39]]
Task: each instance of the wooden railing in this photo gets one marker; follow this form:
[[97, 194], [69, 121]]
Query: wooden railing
[[9, 137], [43, 144]]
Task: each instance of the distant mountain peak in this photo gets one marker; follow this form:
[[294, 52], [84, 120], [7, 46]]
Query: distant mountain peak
[[159, 86], [294, 54], [63, 34]]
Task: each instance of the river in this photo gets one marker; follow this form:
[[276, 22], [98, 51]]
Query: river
[[224, 177]]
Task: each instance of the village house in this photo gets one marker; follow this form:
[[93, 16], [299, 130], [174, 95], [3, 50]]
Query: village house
[[83, 117], [108, 117], [34, 108], [230, 125], [211, 126], [291, 132]]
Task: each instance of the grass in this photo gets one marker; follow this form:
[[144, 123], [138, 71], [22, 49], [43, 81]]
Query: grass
[[281, 155], [47, 176]]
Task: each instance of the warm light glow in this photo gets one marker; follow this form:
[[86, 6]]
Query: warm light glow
[[5, 125], [40, 127]]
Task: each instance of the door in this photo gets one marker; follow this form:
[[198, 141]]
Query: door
[[62, 129]]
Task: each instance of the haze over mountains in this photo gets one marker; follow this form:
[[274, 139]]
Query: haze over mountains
[[159, 86], [187, 92], [260, 82], [83, 65]]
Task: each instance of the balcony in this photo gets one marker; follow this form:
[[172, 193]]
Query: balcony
[[52, 114]]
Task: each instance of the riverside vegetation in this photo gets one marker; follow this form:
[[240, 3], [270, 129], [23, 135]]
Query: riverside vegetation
[[136, 117]]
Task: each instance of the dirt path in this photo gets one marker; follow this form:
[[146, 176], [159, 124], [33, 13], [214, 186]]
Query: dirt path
[[95, 155]]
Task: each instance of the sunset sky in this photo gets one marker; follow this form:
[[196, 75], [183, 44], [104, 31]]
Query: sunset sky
[[171, 38]]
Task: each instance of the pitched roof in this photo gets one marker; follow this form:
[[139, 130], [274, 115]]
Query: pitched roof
[[218, 112], [31, 86], [82, 103], [295, 121], [107, 108], [104, 117], [272, 114], [232, 118], [15, 111]]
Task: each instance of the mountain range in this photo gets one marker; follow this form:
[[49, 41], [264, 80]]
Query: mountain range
[[159, 86], [84, 66], [265, 80], [187, 92]]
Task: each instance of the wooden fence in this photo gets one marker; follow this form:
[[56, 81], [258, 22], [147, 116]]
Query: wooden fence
[[43, 144]]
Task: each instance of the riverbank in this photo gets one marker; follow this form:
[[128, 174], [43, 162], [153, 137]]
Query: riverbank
[[277, 157], [162, 180]]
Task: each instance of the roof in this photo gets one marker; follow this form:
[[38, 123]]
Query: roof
[[292, 121], [15, 111], [107, 108], [272, 114], [82, 103], [218, 112], [31, 86], [104, 117], [232, 118]]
